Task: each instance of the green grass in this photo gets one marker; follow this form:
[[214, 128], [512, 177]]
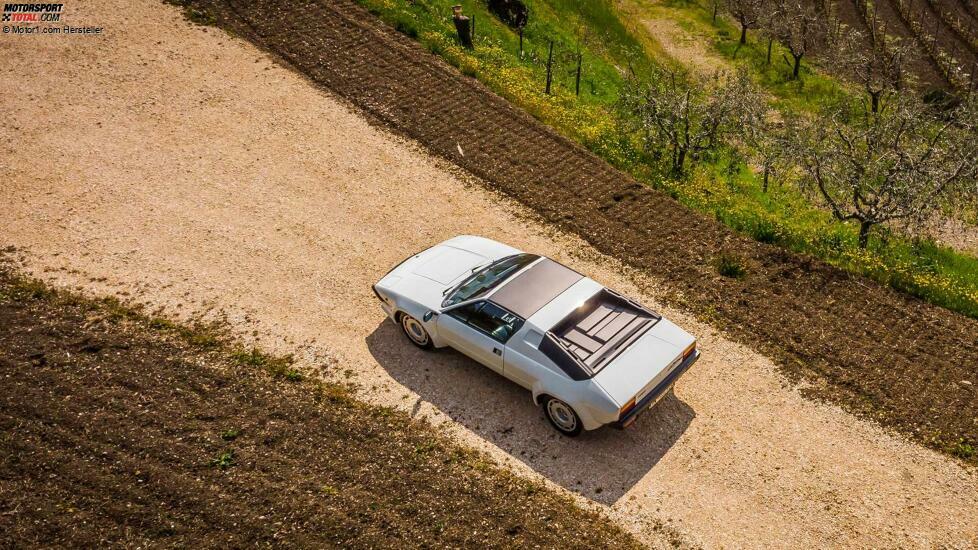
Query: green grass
[[732, 194], [198, 16], [198, 334], [963, 450], [810, 92], [731, 266], [721, 186], [225, 460], [280, 366]]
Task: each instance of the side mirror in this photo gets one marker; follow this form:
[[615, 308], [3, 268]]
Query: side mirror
[[427, 316]]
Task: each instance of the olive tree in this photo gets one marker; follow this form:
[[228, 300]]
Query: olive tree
[[685, 115], [801, 26], [877, 64], [769, 139], [901, 163], [763, 134], [748, 14]]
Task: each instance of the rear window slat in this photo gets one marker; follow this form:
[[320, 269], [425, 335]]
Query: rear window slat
[[591, 336]]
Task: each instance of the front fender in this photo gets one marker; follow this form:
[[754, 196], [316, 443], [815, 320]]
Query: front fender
[[418, 311]]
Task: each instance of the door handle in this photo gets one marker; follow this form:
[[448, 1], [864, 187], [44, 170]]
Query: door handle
[[497, 351]]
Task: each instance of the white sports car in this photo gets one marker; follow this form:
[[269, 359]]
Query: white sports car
[[590, 356]]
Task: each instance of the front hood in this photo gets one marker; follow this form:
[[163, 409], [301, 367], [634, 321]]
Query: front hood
[[445, 264], [645, 363], [424, 277]]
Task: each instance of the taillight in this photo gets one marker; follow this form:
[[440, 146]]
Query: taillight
[[690, 350], [628, 406]]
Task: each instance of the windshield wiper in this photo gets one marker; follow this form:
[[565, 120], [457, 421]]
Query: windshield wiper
[[481, 266], [470, 277]]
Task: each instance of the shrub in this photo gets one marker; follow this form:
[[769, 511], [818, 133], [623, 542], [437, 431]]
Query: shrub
[[731, 266], [225, 460]]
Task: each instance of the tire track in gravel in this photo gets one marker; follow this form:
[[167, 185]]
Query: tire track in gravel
[[877, 352], [185, 170]]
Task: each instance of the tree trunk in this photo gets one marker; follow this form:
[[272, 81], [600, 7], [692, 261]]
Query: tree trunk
[[797, 70], [743, 34], [521, 42], [577, 80], [864, 227], [767, 173], [770, 43], [875, 98], [678, 162], [550, 59]]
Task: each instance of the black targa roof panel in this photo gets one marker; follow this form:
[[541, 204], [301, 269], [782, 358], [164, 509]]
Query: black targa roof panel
[[534, 288], [591, 336]]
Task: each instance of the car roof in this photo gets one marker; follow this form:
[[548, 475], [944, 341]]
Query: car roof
[[535, 287]]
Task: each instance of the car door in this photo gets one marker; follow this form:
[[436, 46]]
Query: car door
[[479, 330]]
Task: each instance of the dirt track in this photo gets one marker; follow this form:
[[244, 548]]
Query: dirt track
[[868, 347], [221, 182]]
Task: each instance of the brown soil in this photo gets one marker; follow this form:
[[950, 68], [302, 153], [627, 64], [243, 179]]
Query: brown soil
[[940, 27], [960, 20], [881, 353], [951, 231], [690, 51], [921, 65], [114, 425]]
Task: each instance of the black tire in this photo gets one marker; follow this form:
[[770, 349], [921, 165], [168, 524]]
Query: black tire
[[562, 417], [415, 331]]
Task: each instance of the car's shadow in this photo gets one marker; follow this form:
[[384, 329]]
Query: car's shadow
[[601, 465]]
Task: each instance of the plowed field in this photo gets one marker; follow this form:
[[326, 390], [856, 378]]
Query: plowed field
[[117, 432]]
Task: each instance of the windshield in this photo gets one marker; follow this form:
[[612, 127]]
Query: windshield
[[481, 282]]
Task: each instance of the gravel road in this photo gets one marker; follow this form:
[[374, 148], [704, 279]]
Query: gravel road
[[178, 167], [820, 324]]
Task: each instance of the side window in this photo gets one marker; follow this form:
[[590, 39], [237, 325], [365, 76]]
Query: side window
[[495, 321], [463, 313]]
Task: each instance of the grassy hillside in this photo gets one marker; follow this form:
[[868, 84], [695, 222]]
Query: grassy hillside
[[812, 91], [723, 186]]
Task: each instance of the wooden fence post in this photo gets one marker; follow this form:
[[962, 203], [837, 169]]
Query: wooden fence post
[[974, 81], [550, 58], [462, 27], [577, 81]]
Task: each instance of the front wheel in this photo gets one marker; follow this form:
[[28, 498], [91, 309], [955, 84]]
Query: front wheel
[[562, 417], [415, 332]]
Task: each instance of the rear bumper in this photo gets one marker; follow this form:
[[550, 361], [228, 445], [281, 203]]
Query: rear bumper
[[656, 394]]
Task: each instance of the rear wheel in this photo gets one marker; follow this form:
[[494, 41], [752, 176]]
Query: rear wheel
[[562, 417], [415, 331]]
